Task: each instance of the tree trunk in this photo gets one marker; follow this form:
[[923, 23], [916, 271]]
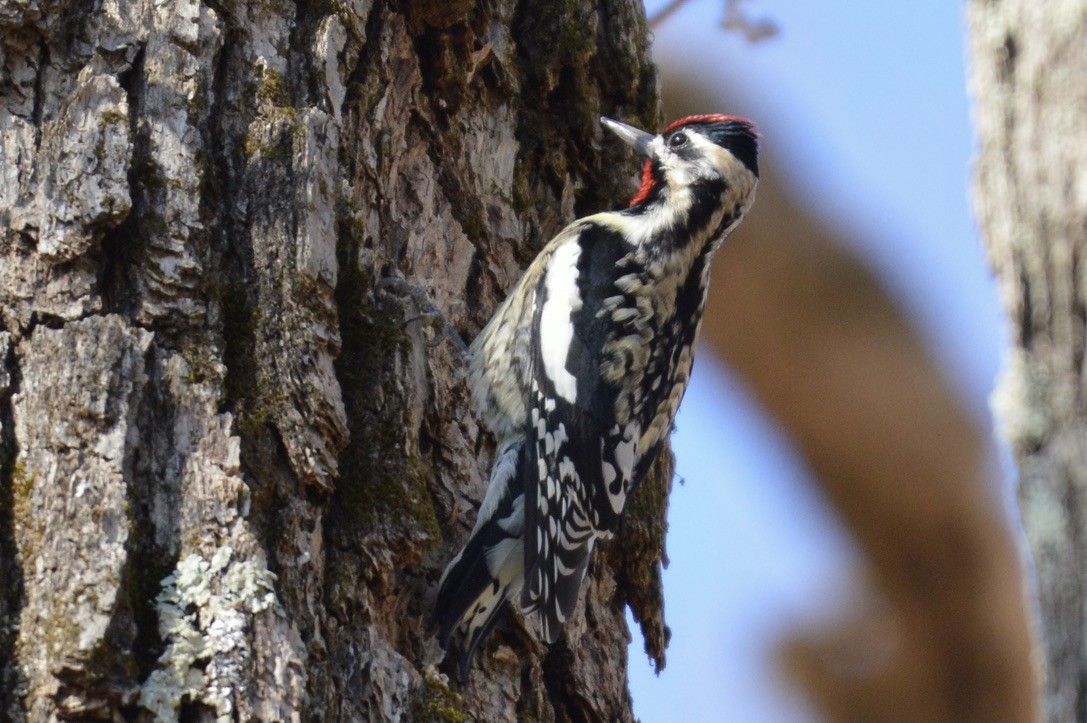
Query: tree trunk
[[237, 448], [1030, 84]]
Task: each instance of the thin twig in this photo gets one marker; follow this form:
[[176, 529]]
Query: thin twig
[[664, 13]]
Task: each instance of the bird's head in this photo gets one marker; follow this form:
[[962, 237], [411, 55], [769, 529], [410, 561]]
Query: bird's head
[[708, 155]]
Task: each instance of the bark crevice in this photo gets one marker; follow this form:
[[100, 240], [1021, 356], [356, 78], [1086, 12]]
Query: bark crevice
[[38, 108], [12, 680], [120, 248]]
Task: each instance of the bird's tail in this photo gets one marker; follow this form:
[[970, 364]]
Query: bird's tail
[[489, 571]]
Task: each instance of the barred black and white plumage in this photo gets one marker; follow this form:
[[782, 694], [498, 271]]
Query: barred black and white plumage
[[580, 373]]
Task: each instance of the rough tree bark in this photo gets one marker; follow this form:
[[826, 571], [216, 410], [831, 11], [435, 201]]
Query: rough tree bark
[[1029, 79], [236, 446]]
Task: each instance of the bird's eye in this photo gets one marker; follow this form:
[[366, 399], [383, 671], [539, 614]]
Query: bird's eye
[[678, 140]]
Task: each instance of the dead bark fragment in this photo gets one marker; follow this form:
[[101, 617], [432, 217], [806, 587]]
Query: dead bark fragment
[[74, 415]]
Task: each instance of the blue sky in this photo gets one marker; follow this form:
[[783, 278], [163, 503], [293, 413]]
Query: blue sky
[[863, 108]]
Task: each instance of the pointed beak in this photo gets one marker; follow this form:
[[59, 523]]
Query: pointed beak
[[636, 139]]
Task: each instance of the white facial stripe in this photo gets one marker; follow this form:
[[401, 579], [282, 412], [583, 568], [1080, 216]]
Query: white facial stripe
[[723, 161], [677, 172], [713, 160], [556, 328]]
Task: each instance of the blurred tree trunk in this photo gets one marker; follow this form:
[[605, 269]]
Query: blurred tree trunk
[[1030, 85], [236, 446]]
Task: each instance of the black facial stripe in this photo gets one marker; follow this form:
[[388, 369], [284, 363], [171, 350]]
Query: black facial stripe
[[706, 197], [745, 148], [733, 137]]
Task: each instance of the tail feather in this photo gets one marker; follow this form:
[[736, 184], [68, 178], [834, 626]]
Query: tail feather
[[489, 571], [466, 579]]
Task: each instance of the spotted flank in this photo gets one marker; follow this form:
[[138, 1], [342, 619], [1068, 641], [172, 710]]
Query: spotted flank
[[580, 372]]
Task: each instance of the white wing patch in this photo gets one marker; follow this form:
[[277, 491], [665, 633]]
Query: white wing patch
[[556, 328]]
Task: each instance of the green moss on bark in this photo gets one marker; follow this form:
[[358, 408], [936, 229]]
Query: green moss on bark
[[435, 702]]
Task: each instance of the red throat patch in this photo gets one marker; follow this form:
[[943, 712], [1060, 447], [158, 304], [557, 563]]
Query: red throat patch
[[647, 184]]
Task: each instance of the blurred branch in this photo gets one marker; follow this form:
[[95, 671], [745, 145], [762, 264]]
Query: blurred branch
[[753, 30], [734, 19], [657, 19], [833, 359]]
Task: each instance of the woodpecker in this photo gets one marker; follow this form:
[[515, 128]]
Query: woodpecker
[[580, 373]]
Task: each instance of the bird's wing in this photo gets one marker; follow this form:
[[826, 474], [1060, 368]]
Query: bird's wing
[[578, 468]]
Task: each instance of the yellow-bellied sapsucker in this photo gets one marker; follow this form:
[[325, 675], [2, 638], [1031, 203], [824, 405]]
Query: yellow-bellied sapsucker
[[580, 372]]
